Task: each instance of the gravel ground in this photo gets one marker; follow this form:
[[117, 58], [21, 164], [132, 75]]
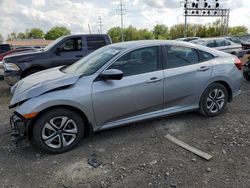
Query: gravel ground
[[138, 155]]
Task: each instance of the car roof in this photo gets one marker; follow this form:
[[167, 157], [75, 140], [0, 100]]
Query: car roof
[[146, 43], [140, 43], [80, 35], [212, 38]]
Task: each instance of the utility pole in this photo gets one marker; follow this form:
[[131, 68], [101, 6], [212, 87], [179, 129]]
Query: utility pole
[[121, 12], [186, 5], [100, 24], [89, 29]]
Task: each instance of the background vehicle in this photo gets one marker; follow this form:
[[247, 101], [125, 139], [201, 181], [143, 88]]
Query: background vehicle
[[13, 51], [234, 39], [4, 48], [188, 39], [220, 44], [63, 51], [19, 50], [246, 44], [246, 69], [120, 84]]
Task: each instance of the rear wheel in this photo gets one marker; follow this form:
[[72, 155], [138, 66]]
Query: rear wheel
[[246, 73], [213, 100], [58, 130]]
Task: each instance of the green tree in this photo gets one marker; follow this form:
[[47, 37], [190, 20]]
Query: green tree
[[57, 32], [131, 33], [115, 34], [145, 34], [21, 35], [214, 29], [36, 33], [238, 30], [161, 32], [177, 31], [12, 36], [201, 31]]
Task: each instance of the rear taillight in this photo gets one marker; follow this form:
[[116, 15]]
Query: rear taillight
[[237, 63], [1, 58]]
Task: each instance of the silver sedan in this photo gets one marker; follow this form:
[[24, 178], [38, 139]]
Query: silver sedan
[[120, 84]]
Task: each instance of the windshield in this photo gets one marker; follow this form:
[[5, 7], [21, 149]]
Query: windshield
[[93, 62], [52, 44]]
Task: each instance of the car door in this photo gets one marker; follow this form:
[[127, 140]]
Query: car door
[[138, 93], [186, 74], [70, 51]]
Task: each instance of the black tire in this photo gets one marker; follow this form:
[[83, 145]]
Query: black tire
[[51, 140], [31, 71], [212, 104], [247, 75]]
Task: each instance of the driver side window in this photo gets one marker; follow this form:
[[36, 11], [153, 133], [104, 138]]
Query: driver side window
[[74, 44], [138, 61]]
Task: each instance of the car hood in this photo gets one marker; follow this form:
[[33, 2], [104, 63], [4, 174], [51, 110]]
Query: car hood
[[40, 83], [23, 56]]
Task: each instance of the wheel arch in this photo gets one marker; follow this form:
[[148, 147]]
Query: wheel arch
[[88, 127], [227, 86], [35, 67]]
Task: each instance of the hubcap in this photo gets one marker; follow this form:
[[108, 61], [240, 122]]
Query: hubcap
[[59, 132], [215, 100]]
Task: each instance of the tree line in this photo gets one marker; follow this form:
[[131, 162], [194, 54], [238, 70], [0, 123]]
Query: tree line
[[37, 33], [132, 33], [174, 32]]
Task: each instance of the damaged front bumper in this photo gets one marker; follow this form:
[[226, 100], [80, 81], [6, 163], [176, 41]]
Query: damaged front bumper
[[19, 130]]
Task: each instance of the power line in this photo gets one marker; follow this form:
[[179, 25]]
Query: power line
[[100, 24], [121, 12]]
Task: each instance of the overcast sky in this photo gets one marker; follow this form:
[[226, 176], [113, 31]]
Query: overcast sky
[[17, 15]]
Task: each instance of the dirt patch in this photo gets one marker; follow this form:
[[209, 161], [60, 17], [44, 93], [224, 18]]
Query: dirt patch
[[139, 155]]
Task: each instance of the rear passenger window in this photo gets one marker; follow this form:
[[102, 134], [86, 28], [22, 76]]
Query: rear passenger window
[[95, 42], [204, 56], [178, 56]]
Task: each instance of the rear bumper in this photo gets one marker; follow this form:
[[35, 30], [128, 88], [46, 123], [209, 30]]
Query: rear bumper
[[19, 130], [11, 78]]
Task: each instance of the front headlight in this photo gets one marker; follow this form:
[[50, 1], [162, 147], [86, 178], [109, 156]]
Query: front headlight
[[11, 67]]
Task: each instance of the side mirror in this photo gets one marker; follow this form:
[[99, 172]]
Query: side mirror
[[112, 74]]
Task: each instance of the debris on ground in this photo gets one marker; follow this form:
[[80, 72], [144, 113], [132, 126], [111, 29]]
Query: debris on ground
[[93, 161], [188, 147]]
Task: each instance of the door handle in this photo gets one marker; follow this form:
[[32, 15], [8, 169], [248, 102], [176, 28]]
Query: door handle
[[203, 69], [154, 80], [79, 55]]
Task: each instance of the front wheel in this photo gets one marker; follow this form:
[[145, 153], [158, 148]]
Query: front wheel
[[213, 100], [58, 130]]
